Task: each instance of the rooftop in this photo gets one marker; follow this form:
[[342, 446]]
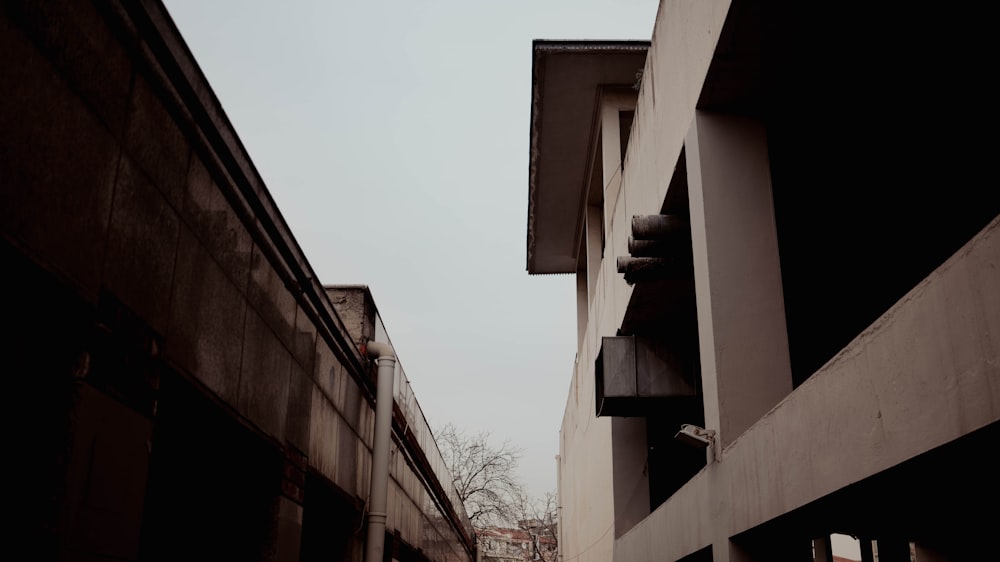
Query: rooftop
[[567, 78]]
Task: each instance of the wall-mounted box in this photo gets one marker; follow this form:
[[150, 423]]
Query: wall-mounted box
[[636, 376]]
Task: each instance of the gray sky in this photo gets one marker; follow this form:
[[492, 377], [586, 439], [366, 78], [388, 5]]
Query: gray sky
[[394, 138]]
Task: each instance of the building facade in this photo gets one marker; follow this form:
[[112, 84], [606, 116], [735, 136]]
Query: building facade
[[787, 281], [523, 544], [185, 387]]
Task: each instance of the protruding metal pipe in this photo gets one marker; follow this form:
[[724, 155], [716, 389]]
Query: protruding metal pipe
[[628, 264], [652, 227], [385, 357], [650, 269], [659, 248]]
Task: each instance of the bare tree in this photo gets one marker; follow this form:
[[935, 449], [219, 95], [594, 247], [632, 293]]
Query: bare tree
[[539, 518], [485, 475]]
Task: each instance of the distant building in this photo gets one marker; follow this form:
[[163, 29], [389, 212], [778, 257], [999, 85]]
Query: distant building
[[182, 385], [781, 241], [528, 543]]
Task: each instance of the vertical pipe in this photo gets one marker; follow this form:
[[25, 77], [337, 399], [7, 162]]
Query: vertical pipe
[[386, 361]]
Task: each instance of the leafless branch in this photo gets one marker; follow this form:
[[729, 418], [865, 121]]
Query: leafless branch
[[485, 475]]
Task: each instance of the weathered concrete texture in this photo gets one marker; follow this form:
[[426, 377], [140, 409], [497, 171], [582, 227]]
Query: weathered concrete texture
[[741, 315], [355, 309], [214, 221], [206, 320], [303, 346], [685, 35], [348, 453], [928, 369], [191, 323], [163, 156], [263, 392], [328, 374], [300, 390], [268, 294], [79, 44], [142, 246], [587, 492], [58, 161], [323, 437], [356, 410], [913, 394]]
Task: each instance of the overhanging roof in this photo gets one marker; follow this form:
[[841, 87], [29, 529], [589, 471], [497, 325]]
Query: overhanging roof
[[566, 79]]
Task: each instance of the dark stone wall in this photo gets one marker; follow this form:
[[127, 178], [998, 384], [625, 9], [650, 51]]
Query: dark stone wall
[[183, 379], [171, 378]]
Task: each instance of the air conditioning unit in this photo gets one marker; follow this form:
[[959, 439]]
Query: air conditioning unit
[[637, 376]]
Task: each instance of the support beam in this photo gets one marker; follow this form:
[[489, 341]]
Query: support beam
[[741, 314]]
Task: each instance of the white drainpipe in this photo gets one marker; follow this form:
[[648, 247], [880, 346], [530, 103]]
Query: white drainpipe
[[385, 357]]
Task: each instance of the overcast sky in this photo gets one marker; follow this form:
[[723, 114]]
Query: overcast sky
[[393, 136]]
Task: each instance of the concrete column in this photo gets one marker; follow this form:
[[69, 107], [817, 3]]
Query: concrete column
[[629, 447], [630, 479], [823, 549], [289, 537], [741, 315]]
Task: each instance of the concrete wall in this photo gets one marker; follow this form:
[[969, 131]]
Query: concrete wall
[[925, 374], [207, 376], [683, 42], [886, 427], [414, 509]]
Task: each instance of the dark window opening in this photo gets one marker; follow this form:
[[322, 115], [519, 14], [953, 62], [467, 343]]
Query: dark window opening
[[874, 183], [331, 523], [671, 462], [624, 130], [213, 484]]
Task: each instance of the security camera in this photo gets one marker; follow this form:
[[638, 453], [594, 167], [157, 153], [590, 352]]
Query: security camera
[[695, 436]]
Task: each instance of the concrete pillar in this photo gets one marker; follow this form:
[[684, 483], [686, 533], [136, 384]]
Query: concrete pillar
[[629, 447], [630, 478], [289, 531], [823, 549], [741, 315]]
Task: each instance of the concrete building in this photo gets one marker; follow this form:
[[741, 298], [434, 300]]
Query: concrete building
[[781, 243], [181, 385], [523, 544]]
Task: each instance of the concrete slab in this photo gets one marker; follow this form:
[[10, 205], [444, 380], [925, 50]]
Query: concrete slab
[[155, 142], [142, 246], [74, 37], [58, 161], [300, 389], [206, 320], [263, 394], [268, 295], [324, 425], [304, 340], [216, 224]]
